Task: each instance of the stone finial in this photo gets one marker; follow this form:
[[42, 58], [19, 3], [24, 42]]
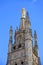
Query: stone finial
[[23, 12], [11, 31]]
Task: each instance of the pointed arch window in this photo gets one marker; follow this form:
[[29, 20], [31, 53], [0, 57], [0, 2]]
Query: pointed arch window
[[22, 62], [15, 63], [19, 46]]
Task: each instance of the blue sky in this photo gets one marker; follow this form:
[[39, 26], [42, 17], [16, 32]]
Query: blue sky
[[10, 14]]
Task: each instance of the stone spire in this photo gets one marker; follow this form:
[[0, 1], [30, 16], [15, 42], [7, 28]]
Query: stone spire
[[27, 22], [10, 40], [22, 24], [35, 42], [11, 32]]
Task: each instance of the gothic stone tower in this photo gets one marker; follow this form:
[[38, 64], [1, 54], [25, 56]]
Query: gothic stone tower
[[22, 51]]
